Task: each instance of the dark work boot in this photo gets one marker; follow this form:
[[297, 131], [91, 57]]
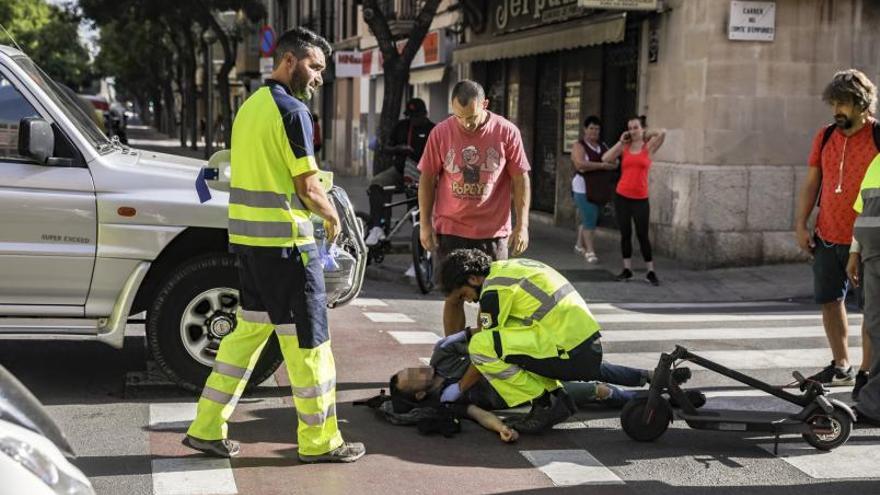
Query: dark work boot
[[216, 448], [543, 416]]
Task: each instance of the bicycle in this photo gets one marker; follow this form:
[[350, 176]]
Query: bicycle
[[422, 262]]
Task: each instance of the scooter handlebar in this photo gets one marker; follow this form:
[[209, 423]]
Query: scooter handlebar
[[799, 377]]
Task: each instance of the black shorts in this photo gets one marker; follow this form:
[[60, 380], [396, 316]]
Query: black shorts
[[495, 247], [830, 282], [290, 289]]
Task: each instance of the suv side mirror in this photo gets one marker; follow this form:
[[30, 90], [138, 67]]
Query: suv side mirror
[[35, 139]]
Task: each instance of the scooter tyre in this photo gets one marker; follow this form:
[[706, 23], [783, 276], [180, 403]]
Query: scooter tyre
[[634, 426], [843, 421]]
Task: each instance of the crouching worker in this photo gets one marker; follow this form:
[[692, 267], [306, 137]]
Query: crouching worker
[[534, 330]]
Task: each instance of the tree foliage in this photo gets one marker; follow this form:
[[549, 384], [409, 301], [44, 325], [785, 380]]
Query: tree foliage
[[48, 34]]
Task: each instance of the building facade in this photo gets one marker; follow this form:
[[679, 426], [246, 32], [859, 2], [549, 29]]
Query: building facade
[[739, 114]]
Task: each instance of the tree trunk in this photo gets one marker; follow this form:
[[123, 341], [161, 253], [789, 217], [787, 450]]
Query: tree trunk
[[396, 81], [223, 79], [190, 98], [396, 66], [156, 96], [168, 95]]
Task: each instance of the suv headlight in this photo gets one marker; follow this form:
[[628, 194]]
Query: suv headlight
[[43, 467]]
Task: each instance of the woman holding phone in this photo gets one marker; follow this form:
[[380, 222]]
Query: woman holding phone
[[635, 149]]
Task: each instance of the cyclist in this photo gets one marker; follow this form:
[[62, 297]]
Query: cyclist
[[407, 143]]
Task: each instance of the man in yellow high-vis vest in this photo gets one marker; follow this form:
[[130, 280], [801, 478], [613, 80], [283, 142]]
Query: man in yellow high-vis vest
[[534, 330], [281, 274], [866, 248]]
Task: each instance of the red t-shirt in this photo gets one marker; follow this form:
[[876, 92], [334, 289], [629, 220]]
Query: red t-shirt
[[634, 168], [836, 214], [474, 171]]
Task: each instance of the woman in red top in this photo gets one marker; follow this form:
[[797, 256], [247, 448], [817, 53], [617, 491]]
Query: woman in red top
[[635, 149]]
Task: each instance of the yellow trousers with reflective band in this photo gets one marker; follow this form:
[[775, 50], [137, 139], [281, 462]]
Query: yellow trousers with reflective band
[[289, 291], [514, 384], [312, 376]]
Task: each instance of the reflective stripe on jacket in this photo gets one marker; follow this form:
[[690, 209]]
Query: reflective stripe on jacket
[[271, 144]]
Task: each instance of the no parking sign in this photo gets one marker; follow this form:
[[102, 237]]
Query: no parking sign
[[267, 41]]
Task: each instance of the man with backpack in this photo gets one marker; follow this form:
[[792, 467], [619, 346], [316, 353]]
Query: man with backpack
[[840, 155]]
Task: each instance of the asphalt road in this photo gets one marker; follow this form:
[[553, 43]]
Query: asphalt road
[[126, 426]]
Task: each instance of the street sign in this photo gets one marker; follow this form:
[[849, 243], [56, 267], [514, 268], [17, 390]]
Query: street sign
[[267, 41], [752, 21]]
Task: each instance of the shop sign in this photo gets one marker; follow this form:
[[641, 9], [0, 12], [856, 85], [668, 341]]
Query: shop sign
[[571, 115], [435, 50], [619, 4], [752, 21], [348, 64], [513, 15]]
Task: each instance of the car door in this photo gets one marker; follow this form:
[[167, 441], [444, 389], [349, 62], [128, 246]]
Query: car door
[[48, 216]]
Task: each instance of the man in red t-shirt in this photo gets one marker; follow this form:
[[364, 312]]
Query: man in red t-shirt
[[835, 175], [473, 162]]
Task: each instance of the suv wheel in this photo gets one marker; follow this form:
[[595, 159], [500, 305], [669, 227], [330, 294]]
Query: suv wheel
[[194, 309]]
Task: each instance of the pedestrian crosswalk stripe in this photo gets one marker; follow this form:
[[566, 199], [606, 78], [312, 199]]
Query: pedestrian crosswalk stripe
[[794, 359], [852, 460], [425, 360], [415, 337], [172, 415], [712, 317], [366, 301], [389, 318], [677, 305], [193, 476], [571, 467], [742, 333]]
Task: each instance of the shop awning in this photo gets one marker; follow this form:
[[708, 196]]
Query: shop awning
[[427, 76], [546, 39]]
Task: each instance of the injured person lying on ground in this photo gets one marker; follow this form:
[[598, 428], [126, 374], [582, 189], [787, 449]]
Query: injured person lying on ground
[[417, 394]]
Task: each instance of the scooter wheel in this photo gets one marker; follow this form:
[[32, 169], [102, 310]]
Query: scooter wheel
[[633, 422], [829, 431]]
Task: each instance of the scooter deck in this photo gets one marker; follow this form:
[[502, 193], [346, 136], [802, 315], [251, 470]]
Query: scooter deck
[[727, 420]]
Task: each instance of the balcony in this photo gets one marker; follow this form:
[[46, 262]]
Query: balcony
[[401, 15]]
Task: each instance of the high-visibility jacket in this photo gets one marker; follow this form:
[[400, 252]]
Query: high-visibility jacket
[[535, 309], [271, 144], [867, 226]]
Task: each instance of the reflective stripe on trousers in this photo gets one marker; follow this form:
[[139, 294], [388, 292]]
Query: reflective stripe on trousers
[[312, 374]]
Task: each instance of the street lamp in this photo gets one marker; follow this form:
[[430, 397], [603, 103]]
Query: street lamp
[[209, 37]]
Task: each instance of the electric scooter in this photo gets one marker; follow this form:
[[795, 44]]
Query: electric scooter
[[824, 423]]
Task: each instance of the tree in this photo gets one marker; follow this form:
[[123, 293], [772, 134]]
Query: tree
[[396, 64], [48, 34]]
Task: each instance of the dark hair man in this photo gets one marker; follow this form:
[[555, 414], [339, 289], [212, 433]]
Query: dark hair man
[[534, 330], [408, 139], [838, 160], [474, 163], [282, 284]]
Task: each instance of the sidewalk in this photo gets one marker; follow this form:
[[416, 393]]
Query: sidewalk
[[554, 246]]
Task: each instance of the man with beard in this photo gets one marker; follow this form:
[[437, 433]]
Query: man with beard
[[839, 158], [280, 272]]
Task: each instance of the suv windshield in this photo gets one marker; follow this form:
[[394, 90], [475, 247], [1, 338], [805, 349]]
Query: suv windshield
[[86, 125]]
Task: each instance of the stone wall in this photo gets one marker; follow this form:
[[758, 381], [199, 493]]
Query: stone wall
[[740, 117]]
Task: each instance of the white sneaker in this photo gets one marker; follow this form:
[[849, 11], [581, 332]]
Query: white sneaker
[[375, 236], [411, 271], [591, 257]]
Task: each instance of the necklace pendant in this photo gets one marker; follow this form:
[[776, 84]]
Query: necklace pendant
[[838, 190]]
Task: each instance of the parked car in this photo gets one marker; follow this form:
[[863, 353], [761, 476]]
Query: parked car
[[34, 453], [92, 231]]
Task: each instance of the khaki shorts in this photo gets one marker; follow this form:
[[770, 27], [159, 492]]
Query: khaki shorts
[[495, 247]]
